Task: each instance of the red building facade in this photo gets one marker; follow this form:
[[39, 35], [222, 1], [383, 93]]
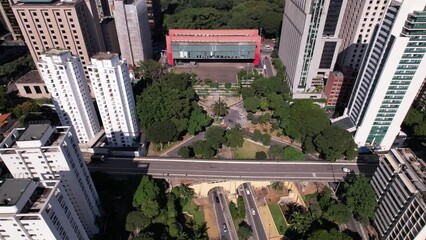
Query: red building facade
[[226, 45]]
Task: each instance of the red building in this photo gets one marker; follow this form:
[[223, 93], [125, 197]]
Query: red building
[[333, 89], [222, 45]]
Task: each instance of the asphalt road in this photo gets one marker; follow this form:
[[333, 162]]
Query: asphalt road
[[231, 169], [268, 67], [223, 216], [254, 220]]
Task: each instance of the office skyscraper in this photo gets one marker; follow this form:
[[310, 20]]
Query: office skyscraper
[[399, 184], [32, 209], [68, 24], [309, 44], [359, 22], [45, 152], [114, 96], [390, 75], [8, 19], [64, 77], [134, 37]]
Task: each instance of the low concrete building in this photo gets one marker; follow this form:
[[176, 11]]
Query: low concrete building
[[31, 85]]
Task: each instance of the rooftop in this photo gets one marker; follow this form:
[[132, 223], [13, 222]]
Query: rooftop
[[56, 51], [104, 56], [34, 132], [3, 119], [31, 77], [343, 122], [11, 190]]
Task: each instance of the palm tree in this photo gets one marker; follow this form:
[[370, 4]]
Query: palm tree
[[186, 192], [200, 232], [219, 108], [277, 186]]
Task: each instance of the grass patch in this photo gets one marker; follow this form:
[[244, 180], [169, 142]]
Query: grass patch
[[278, 217], [248, 150], [196, 211]]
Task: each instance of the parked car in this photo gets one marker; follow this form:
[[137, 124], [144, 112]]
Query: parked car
[[225, 229], [253, 212], [247, 191], [346, 170]]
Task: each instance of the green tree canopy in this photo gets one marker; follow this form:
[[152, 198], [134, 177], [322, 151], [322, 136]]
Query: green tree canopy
[[306, 119], [162, 132], [333, 234], [185, 152], [265, 86], [25, 108], [334, 143], [219, 108], [234, 138], [215, 137], [150, 70], [196, 18], [338, 213], [4, 100], [252, 104], [261, 155], [136, 221], [292, 154], [420, 129], [198, 120], [275, 151], [146, 197], [413, 117], [244, 231], [360, 197]]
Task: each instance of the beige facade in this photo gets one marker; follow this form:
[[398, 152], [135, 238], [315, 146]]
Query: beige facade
[[31, 85], [69, 24]]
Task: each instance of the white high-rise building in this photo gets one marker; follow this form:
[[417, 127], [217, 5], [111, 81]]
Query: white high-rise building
[[390, 76], [113, 91], [37, 210], [359, 22], [399, 184], [134, 36], [309, 43], [64, 77], [45, 152]]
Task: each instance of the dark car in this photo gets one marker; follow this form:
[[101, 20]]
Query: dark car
[[217, 199]]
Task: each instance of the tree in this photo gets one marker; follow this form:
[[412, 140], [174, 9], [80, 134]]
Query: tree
[[215, 137], [146, 196], [292, 154], [276, 101], [264, 104], [200, 232], [196, 18], [25, 108], [203, 149], [334, 143], [360, 197], [420, 129], [170, 99], [234, 138], [338, 213], [266, 86], [333, 234], [162, 132], [4, 100], [241, 207], [150, 70], [257, 135], [228, 85], [275, 151], [136, 221], [261, 155], [413, 117], [244, 231], [301, 222], [198, 120], [247, 92], [252, 104], [185, 152], [266, 139], [219, 108], [306, 119], [277, 186], [186, 192], [308, 145], [233, 210]]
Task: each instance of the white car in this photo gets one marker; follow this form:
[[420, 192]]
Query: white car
[[253, 212], [346, 170], [248, 191]]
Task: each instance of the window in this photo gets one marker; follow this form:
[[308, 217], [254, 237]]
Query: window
[[27, 90], [37, 89]]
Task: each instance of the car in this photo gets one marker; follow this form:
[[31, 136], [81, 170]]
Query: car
[[217, 199], [225, 229], [268, 46], [253, 212], [346, 170], [247, 191]]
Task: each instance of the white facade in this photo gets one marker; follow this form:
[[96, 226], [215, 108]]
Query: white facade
[[64, 77], [44, 152], [309, 43], [360, 19], [399, 184], [134, 36], [390, 75], [113, 91], [37, 210]]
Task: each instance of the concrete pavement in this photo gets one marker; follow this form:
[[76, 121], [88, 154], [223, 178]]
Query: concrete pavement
[[231, 169], [254, 220]]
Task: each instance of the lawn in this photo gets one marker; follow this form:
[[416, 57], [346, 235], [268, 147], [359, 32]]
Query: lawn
[[248, 150], [196, 211], [278, 217]]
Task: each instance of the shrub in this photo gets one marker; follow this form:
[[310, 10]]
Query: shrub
[[228, 85], [261, 155]]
